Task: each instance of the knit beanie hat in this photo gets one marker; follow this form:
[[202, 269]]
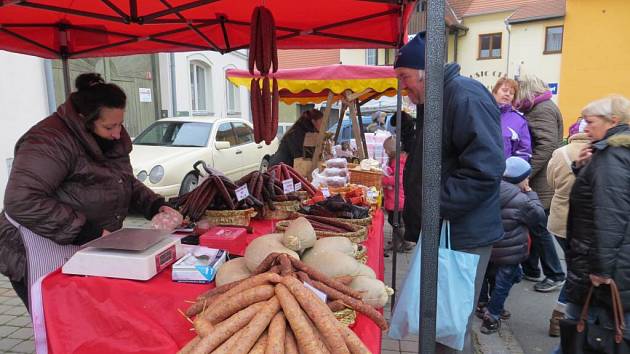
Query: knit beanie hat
[[516, 170], [411, 55]]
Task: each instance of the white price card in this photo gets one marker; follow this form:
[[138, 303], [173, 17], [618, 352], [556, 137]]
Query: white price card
[[298, 186], [325, 192], [287, 186], [319, 294], [242, 192]]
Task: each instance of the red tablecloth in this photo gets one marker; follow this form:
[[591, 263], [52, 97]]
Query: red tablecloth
[[101, 315]]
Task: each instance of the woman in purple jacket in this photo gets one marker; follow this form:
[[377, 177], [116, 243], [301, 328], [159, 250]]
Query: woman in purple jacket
[[516, 139]]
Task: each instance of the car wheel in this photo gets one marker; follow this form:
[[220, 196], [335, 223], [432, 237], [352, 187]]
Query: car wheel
[[189, 183]]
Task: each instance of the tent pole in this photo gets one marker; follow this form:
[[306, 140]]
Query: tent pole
[[397, 172], [431, 173], [66, 76], [63, 41], [342, 112], [361, 129]]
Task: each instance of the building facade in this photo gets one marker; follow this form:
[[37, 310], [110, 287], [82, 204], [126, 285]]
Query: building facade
[[195, 84], [508, 38]]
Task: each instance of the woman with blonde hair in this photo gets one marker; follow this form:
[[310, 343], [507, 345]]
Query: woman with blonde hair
[[545, 126], [598, 237]]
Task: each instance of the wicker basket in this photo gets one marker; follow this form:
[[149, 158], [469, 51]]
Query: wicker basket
[[361, 254], [347, 316], [362, 222], [366, 178], [357, 236], [230, 217], [284, 210]]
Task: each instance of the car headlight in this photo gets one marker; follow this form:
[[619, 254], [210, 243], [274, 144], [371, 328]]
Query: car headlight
[[142, 176], [156, 174]]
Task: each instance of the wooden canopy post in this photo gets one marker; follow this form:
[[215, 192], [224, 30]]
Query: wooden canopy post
[[342, 113], [322, 132], [356, 129]]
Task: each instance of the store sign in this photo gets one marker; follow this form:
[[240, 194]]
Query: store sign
[[242, 192], [287, 186], [298, 186], [145, 94]]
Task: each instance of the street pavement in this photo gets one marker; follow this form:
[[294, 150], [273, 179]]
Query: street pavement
[[525, 332]]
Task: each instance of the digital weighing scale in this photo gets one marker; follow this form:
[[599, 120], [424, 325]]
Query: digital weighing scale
[[128, 253]]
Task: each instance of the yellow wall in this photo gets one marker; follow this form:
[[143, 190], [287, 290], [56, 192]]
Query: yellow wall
[[596, 54]]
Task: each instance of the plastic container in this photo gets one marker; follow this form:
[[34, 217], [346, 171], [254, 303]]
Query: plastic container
[[231, 239]]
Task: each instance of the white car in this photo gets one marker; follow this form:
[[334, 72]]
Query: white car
[[164, 153]]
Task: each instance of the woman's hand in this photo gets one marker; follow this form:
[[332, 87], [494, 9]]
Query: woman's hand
[[524, 186], [597, 280], [584, 157], [168, 219]]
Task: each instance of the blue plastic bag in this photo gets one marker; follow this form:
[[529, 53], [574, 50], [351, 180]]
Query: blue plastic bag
[[455, 295]]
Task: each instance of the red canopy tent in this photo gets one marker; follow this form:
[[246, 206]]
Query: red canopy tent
[[89, 28], [76, 29]]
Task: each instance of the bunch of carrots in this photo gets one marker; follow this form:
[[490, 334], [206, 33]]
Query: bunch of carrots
[[274, 312]]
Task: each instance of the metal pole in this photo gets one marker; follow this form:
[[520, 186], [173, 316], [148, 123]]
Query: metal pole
[[397, 172], [173, 85], [431, 173], [63, 45]]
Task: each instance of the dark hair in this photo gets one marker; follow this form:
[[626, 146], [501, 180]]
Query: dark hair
[[93, 94], [306, 119]]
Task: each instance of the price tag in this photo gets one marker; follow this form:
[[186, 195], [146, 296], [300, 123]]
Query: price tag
[[319, 294], [287, 186], [298, 186], [325, 192], [242, 192]]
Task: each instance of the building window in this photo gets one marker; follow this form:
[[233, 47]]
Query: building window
[[233, 97], [200, 88], [371, 57], [490, 46], [553, 39]]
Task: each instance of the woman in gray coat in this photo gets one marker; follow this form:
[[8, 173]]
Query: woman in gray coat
[[545, 125]]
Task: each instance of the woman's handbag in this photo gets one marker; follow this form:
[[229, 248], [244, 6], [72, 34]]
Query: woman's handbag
[[602, 337]]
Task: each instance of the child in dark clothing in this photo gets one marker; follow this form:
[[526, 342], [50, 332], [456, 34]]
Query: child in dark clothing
[[520, 212]]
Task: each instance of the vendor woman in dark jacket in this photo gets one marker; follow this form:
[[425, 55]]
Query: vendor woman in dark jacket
[[292, 143], [71, 179], [598, 231]]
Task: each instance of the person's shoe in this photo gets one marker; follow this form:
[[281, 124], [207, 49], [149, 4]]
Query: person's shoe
[[554, 323], [531, 278], [548, 285], [480, 311], [490, 325], [505, 315]]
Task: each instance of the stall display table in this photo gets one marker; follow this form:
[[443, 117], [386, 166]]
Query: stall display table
[[102, 315]]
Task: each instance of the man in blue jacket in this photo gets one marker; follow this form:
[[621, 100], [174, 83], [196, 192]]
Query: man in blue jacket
[[472, 162]]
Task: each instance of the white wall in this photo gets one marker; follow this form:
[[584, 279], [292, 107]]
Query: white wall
[[218, 64], [525, 50], [23, 102], [352, 56]]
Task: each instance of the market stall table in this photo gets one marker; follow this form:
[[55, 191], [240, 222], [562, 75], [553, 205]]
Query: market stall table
[[102, 315]]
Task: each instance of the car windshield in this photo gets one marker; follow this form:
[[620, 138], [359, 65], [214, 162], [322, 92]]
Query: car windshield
[[178, 134]]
